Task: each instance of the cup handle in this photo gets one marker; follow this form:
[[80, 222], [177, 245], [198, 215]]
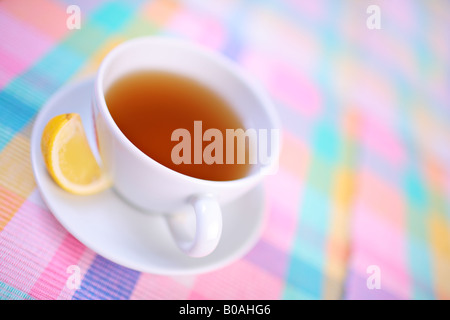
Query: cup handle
[[207, 226]]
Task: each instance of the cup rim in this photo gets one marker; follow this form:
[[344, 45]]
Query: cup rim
[[217, 58]]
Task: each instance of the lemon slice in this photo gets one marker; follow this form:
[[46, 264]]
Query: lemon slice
[[68, 157]]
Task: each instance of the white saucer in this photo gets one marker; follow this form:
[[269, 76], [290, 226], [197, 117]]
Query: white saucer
[[123, 234]]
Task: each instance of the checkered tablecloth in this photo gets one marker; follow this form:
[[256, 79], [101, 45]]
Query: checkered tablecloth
[[360, 206]]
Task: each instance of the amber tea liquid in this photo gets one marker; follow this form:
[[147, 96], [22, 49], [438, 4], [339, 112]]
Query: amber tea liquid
[[148, 106]]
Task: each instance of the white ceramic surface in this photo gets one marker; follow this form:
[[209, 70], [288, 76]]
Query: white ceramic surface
[[122, 233], [152, 186]]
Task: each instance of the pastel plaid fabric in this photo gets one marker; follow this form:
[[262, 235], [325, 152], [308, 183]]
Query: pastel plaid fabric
[[363, 187]]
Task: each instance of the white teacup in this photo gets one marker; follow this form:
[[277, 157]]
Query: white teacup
[[150, 185]]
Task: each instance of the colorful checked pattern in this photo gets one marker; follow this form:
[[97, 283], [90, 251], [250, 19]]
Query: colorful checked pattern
[[364, 179]]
